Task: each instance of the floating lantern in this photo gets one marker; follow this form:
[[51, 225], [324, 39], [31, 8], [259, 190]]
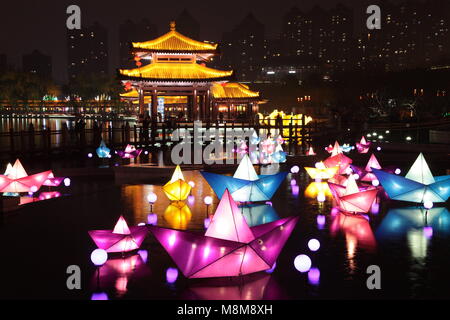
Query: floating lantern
[[313, 244], [428, 204], [99, 257], [310, 152], [338, 160], [295, 169], [419, 185], [103, 151], [397, 171], [121, 239], [130, 152], [177, 189], [89, 155], [67, 182], [229, 247], [245, 185], [363, 146], [321, 172], [18, 181], [302, 263]]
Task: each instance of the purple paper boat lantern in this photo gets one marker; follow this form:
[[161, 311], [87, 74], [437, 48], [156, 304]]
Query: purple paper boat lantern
[[53, 181], [229, 247], [121, 239], [130, 152]]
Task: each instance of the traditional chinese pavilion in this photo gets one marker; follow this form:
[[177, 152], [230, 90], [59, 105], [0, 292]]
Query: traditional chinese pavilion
[[175, 82]]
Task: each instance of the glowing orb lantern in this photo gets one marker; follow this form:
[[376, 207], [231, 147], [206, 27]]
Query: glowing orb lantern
[[99, 257], [313, 244], [302, 263]]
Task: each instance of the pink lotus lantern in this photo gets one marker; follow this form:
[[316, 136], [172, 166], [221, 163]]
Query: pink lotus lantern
[[229, 247], [338, 160], [351, 198], [363, 146], [121, 239], [18, 181], [310, 152], [129, 152]]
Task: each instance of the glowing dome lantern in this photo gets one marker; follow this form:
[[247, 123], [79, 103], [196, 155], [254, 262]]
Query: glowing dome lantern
[[245, 185], [121, 239], [177, 189], [103, 151], [419, 185], [229, 247], [18, 181], [351, 198], [363, 145]]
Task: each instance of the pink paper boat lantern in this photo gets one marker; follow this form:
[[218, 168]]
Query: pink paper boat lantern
[[130, 152], [372, 163], [338, 160], [229, 247], [18, 181], [121, 239], [310, 152], [351, 198], [363, 146], [53, 181]]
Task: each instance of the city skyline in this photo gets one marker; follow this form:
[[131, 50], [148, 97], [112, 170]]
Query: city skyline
[[273, 29]]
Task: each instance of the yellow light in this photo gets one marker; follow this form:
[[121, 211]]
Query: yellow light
[[177, 189], [323, 174], [316, 188], [178, 215]]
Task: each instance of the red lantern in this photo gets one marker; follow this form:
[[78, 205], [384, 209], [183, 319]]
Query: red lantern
[[138, 63]]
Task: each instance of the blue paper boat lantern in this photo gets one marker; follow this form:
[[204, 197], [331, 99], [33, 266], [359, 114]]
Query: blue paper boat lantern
[[245, 185], [103, 151], [418, 185]]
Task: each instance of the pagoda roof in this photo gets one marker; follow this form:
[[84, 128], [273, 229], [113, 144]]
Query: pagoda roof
[[174, 42], [232, 90], [171, 71]]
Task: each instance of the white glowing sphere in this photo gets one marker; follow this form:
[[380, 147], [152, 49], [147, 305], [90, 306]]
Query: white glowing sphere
[[348, 170], [192, 184], [152, 197], [356, 176], [295, 169], [378, 148], [375, 183], [67, 182], [321, 197], [33, 189], [313, 244], [397, 171], [207, 200], [428, 204], [89, 155], [99, 257], [302, 263]]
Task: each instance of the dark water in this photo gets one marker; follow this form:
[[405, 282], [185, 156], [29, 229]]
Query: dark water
[[40, 240]]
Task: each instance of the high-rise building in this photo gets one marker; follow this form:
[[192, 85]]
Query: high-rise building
[[188, 25], [87, 50], [245, 49], [37, 63], [130, 31], [3, 62]]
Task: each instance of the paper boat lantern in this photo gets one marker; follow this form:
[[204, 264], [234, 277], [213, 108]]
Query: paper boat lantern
[[245, 185], [103, 151], [8, 170], [363, 146], [310, 152], [366, 173], [178, 215], [129, 152], [177, 189], [346, 147], [53, 181], [336, 149], [418, 185], [229, 247], [121, 239], [279, 155], [351, 198], [321, 171], [18, 181], [338, 160]]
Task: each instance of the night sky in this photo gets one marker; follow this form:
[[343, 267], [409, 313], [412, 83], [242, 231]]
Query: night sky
[[26, 25]]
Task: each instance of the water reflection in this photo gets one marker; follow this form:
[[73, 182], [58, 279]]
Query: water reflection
[[315, 189], [252, 287], [178, 215], [116, 273], [256, 214]]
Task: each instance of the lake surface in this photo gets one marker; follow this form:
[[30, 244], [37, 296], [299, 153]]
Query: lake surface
[[40, 240]]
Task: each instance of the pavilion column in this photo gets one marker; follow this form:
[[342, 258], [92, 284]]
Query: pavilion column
[[208, 106], [154, 110], [214, 111], [195, 106], [141, 102]]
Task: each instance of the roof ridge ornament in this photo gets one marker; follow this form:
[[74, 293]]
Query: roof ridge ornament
[[172, 25]]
